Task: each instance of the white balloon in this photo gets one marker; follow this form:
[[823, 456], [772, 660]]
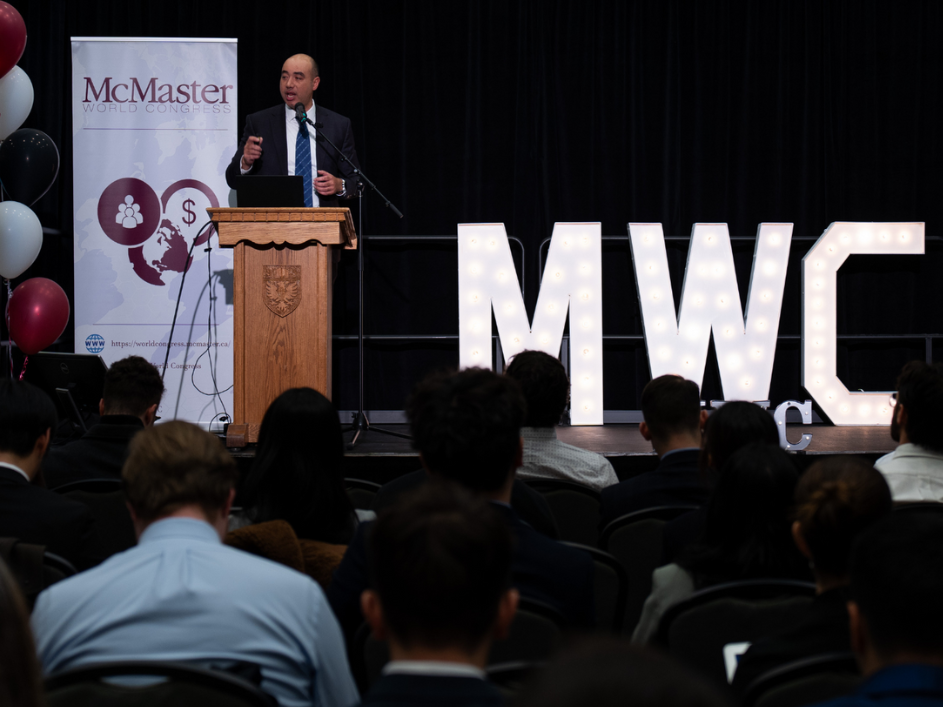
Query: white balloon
[[16, 101], [21, 238]]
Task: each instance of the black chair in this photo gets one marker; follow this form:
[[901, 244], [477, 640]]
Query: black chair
[[635, 539], [509, 677], [610, 586], [105, 485], [803, 682], [33, 567], [535, 633], [918, 507], [178, 684], [105, 499], [361, 493], [696, 630], [575, 508]]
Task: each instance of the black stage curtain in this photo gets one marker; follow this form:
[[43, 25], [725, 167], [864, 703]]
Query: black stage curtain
[[530, 112]]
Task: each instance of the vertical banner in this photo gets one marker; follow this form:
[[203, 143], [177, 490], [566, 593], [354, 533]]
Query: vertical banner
[[154, 125]]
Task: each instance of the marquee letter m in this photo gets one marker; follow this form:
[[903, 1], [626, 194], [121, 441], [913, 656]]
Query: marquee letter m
[[572, 281]]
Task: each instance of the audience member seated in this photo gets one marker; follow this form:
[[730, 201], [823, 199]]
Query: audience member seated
[[673, 419], [895, 612], [20, 677], [747, 534], [610, 672], [467, 428], [28, 511], [181, 595], [836, 499], [132, 393], [298, 473], [547, 392], [914, 470], [440, 562], [733, 426]]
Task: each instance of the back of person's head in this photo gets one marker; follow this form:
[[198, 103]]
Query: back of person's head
[[545, 385], [132, 385], [20, 678], [26, 413], [671, 405], [897, 584], [440, 560], [747, 530], [177, 464], [733, 426], [611, 672], [298, 472], [467, 426], [920, 391], [836, 499]]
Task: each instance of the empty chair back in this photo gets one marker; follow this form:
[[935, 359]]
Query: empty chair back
[[803, 682], [33, 568], [575, 509], [178, 684], [635, 539], [610, 587], [697, 629], [105, 499]]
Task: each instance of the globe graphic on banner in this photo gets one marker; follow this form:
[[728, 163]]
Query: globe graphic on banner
[[163, 254]]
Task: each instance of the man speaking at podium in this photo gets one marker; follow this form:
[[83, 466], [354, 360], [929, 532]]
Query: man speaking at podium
[[276, 142]]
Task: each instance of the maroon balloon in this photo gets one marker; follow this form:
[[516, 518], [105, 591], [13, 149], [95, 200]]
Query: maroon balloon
[[39, 313], [12, 37]]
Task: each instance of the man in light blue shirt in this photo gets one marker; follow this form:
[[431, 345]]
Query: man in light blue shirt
[[181, 595]]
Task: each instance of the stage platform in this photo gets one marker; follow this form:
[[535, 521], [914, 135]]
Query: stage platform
[[380, 458]]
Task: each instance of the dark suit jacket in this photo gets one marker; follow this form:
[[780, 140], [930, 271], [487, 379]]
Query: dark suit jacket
[[39, 516], [432, 690], [824, 629], [541, 569], [682, 532], [98, 454], [269, 124], [529, 504], [676, 481]]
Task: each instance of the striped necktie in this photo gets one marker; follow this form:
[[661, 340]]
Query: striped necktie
[[303, 161]]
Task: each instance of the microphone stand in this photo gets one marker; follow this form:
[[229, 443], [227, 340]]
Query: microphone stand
[[360, 424]]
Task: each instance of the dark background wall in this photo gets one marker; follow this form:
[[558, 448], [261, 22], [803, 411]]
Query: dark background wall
[[533, 112]]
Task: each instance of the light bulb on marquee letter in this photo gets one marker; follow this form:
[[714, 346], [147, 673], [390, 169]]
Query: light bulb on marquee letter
[[819, 314], [571, 282], [710, 299]]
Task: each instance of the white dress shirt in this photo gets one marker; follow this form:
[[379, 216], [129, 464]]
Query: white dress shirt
[[546, 457], [16, 469], [914, 473]]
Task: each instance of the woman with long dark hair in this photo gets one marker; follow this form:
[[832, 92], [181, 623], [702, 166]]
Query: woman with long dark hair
[[298, 472], [746, 535]]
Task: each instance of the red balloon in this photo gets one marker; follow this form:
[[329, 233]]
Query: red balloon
[[12, 37], [39, 313]]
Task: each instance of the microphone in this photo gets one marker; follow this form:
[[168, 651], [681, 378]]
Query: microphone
[[300, 113]]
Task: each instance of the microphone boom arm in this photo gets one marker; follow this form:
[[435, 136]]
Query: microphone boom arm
[[357, 172]]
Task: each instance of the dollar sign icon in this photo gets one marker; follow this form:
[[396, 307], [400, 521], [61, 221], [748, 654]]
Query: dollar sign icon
[[190, 216]]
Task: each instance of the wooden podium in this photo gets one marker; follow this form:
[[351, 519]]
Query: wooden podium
[[282, 284]]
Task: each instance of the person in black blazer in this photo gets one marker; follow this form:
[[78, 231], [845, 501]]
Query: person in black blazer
[[132, 393], [466, 426], [31, 513], [263, 149], [673, 420], [440, 560]]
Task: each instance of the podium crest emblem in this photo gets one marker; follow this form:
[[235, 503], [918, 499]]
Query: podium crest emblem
[[282, 288]]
